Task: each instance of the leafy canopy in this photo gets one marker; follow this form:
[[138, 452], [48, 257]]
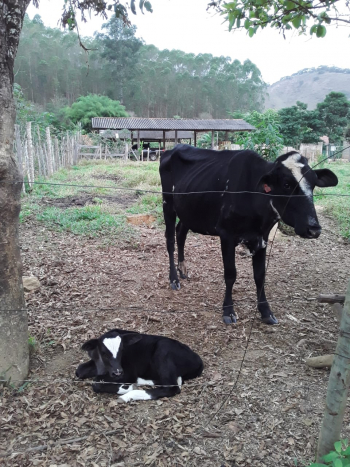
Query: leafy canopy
[[334, 112], [93, 105], [303, 15], [266, 139]]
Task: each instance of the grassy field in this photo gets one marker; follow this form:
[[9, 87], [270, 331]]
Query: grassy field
[[94, 198], [103, 188], [338, 207]]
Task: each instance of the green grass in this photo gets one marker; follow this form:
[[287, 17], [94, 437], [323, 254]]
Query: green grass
[[99, 179], [338, 207], [88, 220]]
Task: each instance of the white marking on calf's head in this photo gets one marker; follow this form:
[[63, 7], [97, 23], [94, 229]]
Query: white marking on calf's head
[[113, 344], [294, 165]]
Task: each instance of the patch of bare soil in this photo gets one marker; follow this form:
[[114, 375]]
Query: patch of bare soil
[[83, 199], [269, 419], [114, 178]]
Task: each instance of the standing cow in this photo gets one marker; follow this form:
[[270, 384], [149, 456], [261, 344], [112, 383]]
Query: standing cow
[[247, 196]]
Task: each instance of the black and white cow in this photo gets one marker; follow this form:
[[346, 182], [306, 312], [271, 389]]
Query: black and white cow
[[243, 217], [125, 358]]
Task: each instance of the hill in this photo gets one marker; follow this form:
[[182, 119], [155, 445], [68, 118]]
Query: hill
[[310, 85]]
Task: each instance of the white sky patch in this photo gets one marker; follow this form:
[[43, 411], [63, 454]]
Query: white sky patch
[[113, 344], [294, 165]]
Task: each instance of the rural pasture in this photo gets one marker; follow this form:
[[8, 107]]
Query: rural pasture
[[98, 272]]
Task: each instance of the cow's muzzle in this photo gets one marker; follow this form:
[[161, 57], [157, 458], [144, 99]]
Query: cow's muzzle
[[116, 373], [314, 232]]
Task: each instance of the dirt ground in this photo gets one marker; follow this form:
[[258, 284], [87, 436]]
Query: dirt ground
[[270, 418]]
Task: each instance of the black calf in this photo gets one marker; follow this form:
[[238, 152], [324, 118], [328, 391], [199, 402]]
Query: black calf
[[125, 358]]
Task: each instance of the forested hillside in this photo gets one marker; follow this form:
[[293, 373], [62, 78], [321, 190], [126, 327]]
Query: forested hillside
[[53, 71], [309, 86]]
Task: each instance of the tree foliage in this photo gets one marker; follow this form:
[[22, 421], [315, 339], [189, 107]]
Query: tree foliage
[[334, 112], [93, 105], [303, 15], [53, 70], [266, 139], [300, 125]]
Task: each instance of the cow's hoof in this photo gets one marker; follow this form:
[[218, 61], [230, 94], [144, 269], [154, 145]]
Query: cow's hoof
[[231, 319], [269, 320], [182, 275], [175, 285]]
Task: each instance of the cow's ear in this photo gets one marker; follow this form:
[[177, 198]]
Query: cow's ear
[[131, 339], [90, 345], [265, 184], [326, 177]]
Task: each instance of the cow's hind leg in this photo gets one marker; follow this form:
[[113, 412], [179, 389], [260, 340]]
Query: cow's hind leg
[[267, 316], [170, 221], [228, 256], [181, 234]]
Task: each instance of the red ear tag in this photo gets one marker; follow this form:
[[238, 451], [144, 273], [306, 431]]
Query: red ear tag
[[267, 188]]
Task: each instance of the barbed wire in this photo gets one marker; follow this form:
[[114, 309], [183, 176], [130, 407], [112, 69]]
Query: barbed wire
[[139, 190]]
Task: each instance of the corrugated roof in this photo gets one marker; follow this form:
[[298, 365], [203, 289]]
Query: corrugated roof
[[147, 135], [133, 123]]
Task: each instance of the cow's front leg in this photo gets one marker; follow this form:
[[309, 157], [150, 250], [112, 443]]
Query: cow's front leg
[[170, 220], [181, 234], [228, 255], [259, 258]]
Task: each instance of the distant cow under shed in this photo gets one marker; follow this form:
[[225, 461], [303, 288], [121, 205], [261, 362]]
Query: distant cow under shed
[[127, 357], [247, 196]]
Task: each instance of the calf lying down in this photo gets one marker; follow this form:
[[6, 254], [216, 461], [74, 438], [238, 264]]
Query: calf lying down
[[125, 358]]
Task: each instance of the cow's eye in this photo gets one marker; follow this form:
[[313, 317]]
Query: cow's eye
[[286, 185]]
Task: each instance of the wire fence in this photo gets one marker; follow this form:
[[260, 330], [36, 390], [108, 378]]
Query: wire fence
[[134, 309]]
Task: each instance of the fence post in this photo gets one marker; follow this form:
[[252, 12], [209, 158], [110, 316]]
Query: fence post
[[49, 151], [338, 385], [30, 153], [126, 151]]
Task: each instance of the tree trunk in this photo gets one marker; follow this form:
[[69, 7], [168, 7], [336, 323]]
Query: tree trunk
[[14, 358]]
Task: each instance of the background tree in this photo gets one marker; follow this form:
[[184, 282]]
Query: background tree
[[283, 15], [299, 125], [334, 112], [93, 105], [13, 318], [266, 139]]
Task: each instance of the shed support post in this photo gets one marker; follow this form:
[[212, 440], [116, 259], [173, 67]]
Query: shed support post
[[195, 138], [212, 139], [338, 386], [175, 137], [164, 140], [138, 143]]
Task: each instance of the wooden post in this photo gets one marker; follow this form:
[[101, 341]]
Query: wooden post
[[138, 143], [49, 151], [175, 137], [338, 386], [195, 138], [148, 154], [212, 139], [30, 153], [126, 151], [164, 140]]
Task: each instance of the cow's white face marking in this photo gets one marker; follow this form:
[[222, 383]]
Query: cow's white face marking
[[113, 344], [179, 381], [137, 395], [294, 165], [144, 382]]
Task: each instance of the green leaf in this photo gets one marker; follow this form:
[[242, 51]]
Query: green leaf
[[330, 457], [252, 31], [337, 463], [337, 446], [346, 452], [321, 31], [289, 5], [296, 21], [247, 23]]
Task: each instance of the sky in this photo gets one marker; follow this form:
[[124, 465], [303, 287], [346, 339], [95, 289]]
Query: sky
[[187, 26]]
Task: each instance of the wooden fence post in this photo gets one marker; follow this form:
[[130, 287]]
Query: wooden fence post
[[49, 151], [338, 385], [30, 153]]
